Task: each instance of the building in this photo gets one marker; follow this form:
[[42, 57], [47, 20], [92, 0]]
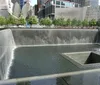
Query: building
[[5, 7], [36, 10], [79, 9], [21, 3], [47, 8], [41, 2], [93, 3], [81, 2]]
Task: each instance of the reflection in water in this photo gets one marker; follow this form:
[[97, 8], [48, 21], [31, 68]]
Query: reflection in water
[[44, 60]]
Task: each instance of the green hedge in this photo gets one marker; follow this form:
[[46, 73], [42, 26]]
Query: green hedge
[[47, 21], [33, 20], [2, 20]]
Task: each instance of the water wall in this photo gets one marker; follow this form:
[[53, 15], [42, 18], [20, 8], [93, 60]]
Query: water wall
[[54, 36], [6, 48], [11, 38]]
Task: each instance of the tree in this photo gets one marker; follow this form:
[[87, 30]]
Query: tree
[[85, 22], [74, 22], [2, 20], [22, 20], [59, 22], [92, 22], [68, 22], [79, 23], [46, 21], [33, 20], [98, 22], [11, 20], [42, 22], [56, 22]]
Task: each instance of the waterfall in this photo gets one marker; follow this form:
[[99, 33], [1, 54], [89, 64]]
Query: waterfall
[[56, 36], [7, 45]]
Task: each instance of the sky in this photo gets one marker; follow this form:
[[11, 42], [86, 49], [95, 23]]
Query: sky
[[33, 2]]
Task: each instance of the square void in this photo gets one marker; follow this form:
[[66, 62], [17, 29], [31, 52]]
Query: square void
[[93, 58], [83, 57]]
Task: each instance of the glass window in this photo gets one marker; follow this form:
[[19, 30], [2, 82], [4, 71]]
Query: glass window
[[57, 6], [62, 3], [53, 1], [57, 2], [62, 7], [76, 5]]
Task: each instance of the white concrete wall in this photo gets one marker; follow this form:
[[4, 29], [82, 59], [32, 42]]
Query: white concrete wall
[[78, 13]]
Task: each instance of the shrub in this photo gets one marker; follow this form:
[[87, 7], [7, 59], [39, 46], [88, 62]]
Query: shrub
[[33, 20], [85, 22], [92, 22], [74, 22], [2, 20], [56, 22], [62, 22], [22, 20], [11, 20], [79, 23], [46, 21], [42, 22], [59, 22], [98, 22], [68, 22]]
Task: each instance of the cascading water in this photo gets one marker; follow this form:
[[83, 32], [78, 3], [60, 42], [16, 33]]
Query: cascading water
[[50, 36], [7, 45], [10, 63]]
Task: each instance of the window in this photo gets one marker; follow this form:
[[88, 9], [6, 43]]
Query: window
[[53, 1], [62, 3], [62, 7], [76, 5], [57, 6], [57, 2]]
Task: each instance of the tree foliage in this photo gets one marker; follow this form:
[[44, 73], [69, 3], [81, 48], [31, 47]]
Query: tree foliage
[[85, 22], [98, 22], [33, 20], [59, 22], [46, 21], [74, 22], [68, 22], [92, 22], [2, 20], [22, 20], [11, 20], [79, 23]]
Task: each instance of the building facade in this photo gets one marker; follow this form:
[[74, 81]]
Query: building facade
[[47, 7], [21, 3], [70, 9], [93, 3], [5, 7], [81, 2]]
